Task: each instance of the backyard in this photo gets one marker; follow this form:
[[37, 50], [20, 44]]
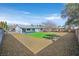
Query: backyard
[[35, 41], [26, 44]]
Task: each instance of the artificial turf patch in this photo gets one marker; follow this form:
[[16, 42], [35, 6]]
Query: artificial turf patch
[[41, 34]]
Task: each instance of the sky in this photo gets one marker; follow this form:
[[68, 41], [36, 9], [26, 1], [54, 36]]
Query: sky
[[31, 13]]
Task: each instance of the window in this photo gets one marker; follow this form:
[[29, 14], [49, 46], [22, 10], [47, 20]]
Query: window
[[41, 29], [28, 29], [33, 29]]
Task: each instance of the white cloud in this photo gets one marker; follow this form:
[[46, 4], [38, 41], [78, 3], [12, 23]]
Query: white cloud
[[13, 21], [2, 18], [18, 22], [53, 17], [25, 12], [31, 19]]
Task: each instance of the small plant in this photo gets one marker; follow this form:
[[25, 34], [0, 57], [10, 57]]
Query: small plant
[[51, 36]]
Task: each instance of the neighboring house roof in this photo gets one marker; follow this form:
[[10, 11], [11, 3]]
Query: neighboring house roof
[[61, 27], [31, 26], [12, 26]]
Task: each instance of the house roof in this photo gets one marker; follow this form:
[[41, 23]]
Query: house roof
[[31, 26]]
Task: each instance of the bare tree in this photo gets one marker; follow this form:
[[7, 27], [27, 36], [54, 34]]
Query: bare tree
[[49, 25]]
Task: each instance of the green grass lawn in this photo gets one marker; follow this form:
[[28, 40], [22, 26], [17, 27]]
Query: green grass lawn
[[40, 34]]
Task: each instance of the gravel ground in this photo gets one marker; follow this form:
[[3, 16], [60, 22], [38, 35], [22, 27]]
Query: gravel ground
[[33, 44], [65, 46], [12, 47]]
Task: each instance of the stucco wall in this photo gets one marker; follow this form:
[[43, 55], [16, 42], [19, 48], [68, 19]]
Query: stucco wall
[[18, 29]]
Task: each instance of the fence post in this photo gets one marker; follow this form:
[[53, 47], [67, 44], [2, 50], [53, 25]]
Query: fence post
[[77, 34]]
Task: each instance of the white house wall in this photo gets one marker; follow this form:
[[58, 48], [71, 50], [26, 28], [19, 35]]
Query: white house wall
[[18, 30], [37, 30]]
